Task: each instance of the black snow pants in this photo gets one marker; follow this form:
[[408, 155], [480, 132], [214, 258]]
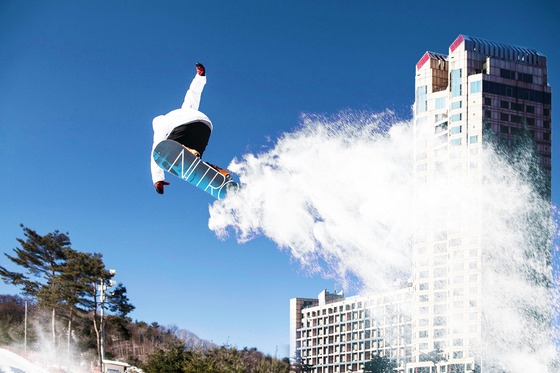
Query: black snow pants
[[193, 135]]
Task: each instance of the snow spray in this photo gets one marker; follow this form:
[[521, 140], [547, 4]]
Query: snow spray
[[341, 195]]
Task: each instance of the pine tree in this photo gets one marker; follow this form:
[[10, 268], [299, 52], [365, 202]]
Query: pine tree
[[379, 364], [80, 272], [61, 278], [42, 257]]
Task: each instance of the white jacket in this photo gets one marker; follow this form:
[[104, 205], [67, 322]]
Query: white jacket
[[188, 113]]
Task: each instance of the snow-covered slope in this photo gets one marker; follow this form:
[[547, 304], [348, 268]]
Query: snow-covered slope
[[13, 363]]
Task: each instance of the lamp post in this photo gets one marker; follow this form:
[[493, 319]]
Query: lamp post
[[103, 286], [25, 332]]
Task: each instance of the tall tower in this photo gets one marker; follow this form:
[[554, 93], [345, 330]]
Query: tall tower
[[479, 91]]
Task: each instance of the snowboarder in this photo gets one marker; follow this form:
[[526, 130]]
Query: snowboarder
[[186, 125]]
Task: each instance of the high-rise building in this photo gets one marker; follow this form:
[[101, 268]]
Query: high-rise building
[[480, 91], [331, 334]]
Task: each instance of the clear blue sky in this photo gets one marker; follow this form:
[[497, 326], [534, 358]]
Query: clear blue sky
[[81, 81]]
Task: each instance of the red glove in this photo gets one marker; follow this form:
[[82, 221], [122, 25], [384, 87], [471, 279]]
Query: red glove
[[200, 70], [159, 186]]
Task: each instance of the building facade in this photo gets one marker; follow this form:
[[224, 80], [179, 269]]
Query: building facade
[[479, 91], [332, 334]]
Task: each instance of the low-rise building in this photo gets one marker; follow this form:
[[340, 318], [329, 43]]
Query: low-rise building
[[335, 334]]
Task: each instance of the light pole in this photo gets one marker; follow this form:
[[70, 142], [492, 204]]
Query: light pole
[[25, 332], [103, 286]]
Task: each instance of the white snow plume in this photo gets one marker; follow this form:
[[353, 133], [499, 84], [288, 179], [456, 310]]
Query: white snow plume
[[46, 355], [518, 225], [335, 194], [341, 196]]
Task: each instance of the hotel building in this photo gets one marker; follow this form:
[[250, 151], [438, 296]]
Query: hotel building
[[479, 91], [333, 334]]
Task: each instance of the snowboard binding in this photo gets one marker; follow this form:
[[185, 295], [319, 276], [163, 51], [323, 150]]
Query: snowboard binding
[[224, 172], [194, 152]]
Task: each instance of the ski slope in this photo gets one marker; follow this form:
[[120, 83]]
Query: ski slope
[[13, 363]]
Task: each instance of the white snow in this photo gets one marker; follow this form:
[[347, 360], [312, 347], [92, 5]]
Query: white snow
[[11, 362], [340, 195]]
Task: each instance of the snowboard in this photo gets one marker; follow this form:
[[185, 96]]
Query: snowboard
[[176, 159]]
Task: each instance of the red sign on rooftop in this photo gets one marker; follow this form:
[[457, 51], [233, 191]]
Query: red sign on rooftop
[[422, 61], [456, 43]]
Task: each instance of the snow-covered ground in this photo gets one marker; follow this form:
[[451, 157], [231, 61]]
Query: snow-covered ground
[[13, 363]]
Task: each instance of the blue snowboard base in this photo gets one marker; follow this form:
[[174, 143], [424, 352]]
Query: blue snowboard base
[[176, 159]]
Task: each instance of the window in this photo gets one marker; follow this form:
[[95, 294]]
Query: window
[[487, 101], [422, 99], [441, 235], [474, 139], [456, 80], [504, 104], [420, 121], [517, 107], [516, 119], [439, 333], [527, 78], [457, 105], [458, 254], [546, 112], [440, 127], [455, 242], [441, 102], [456, 142], [546, 123], [440, 248], [516, 92], [508, 74], [456, 117], [456, 130], [487, 114], [476, 86], [504, 117], [530, 109], [530, 121]]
